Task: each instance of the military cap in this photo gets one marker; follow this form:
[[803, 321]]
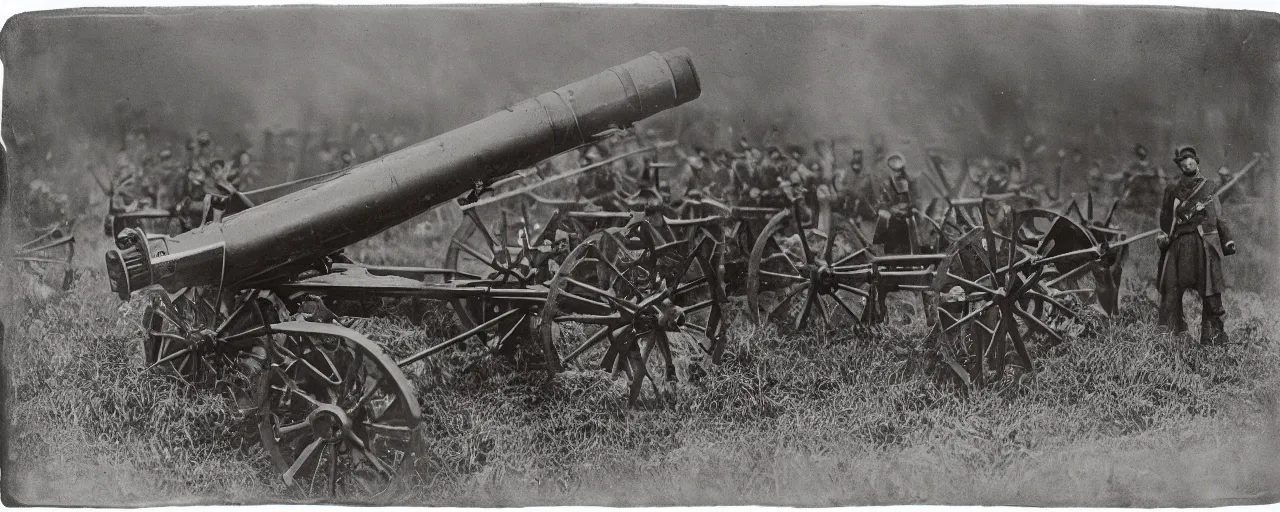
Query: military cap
[[1184, 153], [902, 162]]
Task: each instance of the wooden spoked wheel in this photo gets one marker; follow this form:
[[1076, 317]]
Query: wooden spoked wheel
[[50, 256], [799, 276], [983, 291], [203, 336], [629, 305], [337, 417]]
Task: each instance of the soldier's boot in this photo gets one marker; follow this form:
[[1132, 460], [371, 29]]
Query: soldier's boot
[[1212, 330], [1170, 315]]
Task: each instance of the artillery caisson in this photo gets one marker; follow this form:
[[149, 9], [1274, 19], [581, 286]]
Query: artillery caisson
[[337, 415]]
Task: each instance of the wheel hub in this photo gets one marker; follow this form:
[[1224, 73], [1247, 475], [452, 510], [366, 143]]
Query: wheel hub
[[329, 422], [822, 277]]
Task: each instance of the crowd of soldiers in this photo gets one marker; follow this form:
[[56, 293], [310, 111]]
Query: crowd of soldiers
[[160, 179], [1195, 237], [883, 190], [167, 181]]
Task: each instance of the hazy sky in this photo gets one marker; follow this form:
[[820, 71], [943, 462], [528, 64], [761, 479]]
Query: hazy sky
[[956, 77]]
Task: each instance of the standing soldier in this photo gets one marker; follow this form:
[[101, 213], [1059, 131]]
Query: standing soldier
[[1194, 241], [895, 225], [858, 192]]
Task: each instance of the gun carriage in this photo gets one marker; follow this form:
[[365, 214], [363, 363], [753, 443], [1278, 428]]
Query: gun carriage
[[236, 298]]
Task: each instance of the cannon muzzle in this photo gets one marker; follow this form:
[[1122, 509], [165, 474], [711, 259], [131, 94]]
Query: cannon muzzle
[[275, 239]]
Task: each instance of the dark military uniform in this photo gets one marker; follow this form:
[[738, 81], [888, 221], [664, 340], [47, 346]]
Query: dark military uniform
[[897, 196], [1198, 238]]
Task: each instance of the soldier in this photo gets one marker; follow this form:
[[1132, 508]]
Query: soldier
[[1194, 241], [996, 181], [857, 190], [895, 225], [1224, 177], [44, 207]]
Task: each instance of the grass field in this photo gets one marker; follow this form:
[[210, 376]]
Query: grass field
[[1126, 416]]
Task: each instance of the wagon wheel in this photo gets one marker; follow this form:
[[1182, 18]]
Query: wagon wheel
[[624, 305], [337, 417], [1082, 280], [51, 255], [982, 290], [503, 252], [488, 249], [797, 276], [204, 338]]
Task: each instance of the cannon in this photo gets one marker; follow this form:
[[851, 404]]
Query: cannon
[[236, 297]]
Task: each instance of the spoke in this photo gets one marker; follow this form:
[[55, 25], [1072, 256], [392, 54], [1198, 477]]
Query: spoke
[[293, 387], [690, 286], [167, 336], [329, 378], [844, 306], [804, 310], [953, 318], [579, 298], [787, 298], [374, 461], [227, 323], [302, 459], [251, 333], [600, 254], [822, 310], [592, 341], [630, 305], [700, 306], [849, 257], [782, 252], [456, 339], [331, 453], [972, 315], [854, 290], [363, 399], [172, 357], [1020, 347], [642, 370], [590, 319], [389, 428], [804, 240], [969, 283], [829, 247], [291, 428], [1030, 282], [164, 313], [1061, 307], [783, 276], [491, 263], [1038, 324], [996, 333]]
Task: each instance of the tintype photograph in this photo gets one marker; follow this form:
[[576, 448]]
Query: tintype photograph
[[554, 255]]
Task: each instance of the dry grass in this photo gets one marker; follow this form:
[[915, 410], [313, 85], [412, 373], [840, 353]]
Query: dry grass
[[1128, 417]]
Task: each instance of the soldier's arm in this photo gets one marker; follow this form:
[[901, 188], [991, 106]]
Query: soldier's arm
[[884, 200]]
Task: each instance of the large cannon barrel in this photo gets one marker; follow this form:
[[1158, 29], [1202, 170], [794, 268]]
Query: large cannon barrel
[[271, 240]]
